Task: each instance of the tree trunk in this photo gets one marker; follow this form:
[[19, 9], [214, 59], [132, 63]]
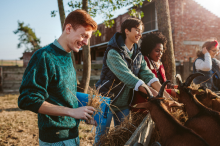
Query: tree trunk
[[62, 12], [164, 26], [62, 19], [84, 84], [85, 5]]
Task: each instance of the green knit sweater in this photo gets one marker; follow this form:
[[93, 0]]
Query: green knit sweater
[[119, 67], [50, 76]]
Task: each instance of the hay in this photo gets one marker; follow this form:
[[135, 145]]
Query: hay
[[179, 114], [95, 100], [120, 134]]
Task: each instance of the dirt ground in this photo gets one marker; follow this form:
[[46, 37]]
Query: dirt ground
[[19, 128]]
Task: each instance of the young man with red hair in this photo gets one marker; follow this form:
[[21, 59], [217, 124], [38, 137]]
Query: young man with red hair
[[49, 84]]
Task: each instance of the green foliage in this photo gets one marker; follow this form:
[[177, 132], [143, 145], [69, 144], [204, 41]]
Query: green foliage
[[107, 8], [97, 33], [137, 14], [53, 13], [27, 37]]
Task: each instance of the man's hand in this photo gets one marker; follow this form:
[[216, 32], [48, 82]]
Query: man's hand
[[142, 89], [169, 103], [83, 113], [156, 85]]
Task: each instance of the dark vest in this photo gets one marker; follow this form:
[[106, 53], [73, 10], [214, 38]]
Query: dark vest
[[109, 85], [209, 80]]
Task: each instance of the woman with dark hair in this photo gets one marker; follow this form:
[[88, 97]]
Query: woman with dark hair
[[207, 64], [153, 46]]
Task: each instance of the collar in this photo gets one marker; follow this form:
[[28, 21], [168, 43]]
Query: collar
[[57, 44], [129, 51]]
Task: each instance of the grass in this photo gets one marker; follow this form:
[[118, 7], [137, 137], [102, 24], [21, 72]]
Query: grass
[[19, 127], [11, 62]]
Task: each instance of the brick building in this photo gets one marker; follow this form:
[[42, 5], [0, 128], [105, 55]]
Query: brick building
[[191, 24], [27, 57]]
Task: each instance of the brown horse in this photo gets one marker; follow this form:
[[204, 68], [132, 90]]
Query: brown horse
[[203, 120], [171, 131]]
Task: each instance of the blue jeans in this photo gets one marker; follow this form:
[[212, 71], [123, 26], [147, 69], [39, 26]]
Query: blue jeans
[[118, 118], [69, 142]]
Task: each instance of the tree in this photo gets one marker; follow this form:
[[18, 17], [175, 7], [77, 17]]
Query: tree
[[84, 84], [164, 25], [62, 12], [94, 7], [27, 37], [62, 19]]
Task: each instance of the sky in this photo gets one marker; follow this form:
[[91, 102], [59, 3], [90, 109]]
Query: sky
[[36, 13]]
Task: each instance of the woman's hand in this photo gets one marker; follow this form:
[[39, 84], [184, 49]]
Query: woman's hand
[[204, 50]]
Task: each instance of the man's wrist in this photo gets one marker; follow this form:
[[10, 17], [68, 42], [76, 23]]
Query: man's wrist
[[69, 112]]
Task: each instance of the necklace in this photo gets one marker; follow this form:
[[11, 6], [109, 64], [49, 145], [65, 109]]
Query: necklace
[[156, 65]]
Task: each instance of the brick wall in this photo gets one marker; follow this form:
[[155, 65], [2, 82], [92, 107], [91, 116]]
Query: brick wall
[[192, 25], [27, 57]]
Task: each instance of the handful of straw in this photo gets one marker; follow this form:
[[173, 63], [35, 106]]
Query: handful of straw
[[95, 100], [120, 134]]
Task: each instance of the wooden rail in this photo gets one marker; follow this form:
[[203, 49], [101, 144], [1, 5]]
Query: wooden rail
[[143, 133]]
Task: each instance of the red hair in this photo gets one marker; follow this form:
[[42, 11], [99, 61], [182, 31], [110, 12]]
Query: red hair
[[80, 17]]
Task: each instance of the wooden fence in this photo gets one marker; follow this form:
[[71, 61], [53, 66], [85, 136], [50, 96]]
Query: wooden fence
[[143, 133], [185, 69], [11, 77]]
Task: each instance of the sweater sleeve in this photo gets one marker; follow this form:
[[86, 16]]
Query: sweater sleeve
[[205, 65], [33, 89], [119, 67], [146, 74]]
